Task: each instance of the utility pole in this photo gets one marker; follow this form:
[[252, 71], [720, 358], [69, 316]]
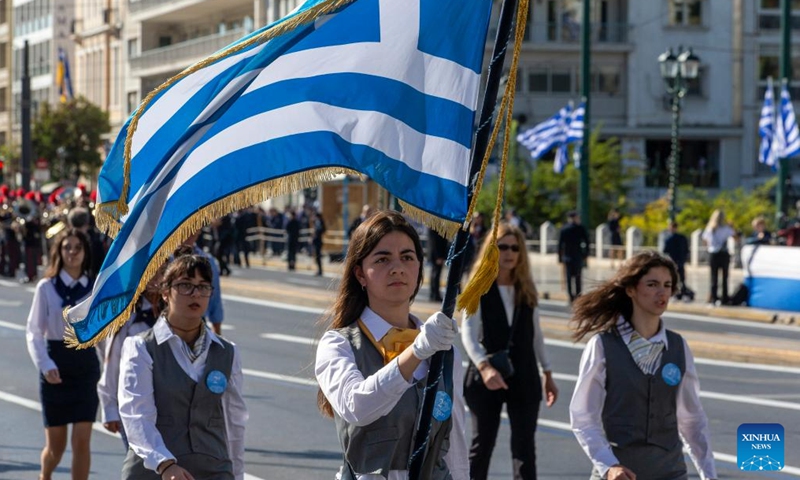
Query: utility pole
[[786, 74], [586, 82], [27, 148]]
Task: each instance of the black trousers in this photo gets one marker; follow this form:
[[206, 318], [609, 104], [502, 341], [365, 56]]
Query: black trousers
[[485, 407], [719, 261], [574, 269]]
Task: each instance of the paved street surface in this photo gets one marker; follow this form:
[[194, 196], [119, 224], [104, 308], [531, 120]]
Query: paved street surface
[[749, 369]]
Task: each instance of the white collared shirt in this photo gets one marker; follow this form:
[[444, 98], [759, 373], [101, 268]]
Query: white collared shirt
[[137, 407], [112, 353], [717, 239], [586, 409], [360, 401], [472, 328], [46, 321]]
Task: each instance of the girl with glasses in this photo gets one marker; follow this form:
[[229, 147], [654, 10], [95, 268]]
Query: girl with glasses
[[180, 393], [636, 402], [68, 377], [506, 326], [372, 361]]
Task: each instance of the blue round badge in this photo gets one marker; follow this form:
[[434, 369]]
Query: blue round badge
[[216, 381], [671, 374], [442, 406]]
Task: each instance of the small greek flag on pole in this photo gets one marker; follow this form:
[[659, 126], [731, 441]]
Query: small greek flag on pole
[[788, 133], [575, 132], [766, 128]]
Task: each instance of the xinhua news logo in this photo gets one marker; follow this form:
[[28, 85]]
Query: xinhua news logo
[[760, 447]]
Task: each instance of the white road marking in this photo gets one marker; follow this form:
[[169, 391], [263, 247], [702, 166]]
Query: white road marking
[[288, 338], [267, 303], [300, 281], [12, 326], [97, 426], [10, 303]]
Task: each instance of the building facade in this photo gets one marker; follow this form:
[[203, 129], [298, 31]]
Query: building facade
[[47, 26], [738, 45]]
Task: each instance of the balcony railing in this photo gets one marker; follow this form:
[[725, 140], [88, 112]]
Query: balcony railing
[[569, 32], [135, 6], [185, 52]]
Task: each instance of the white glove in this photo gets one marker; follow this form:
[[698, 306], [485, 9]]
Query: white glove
[[436, 334]]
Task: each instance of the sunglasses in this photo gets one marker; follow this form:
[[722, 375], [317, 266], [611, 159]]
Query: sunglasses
[[503, 247]]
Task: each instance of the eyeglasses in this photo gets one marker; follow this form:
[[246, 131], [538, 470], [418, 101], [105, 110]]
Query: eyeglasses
[[187, 289], [504, 247]]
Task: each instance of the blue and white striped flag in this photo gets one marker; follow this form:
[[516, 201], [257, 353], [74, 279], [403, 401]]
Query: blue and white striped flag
[[551, 133], [388, 88], [787, 135], [575, 132], [766, 127]]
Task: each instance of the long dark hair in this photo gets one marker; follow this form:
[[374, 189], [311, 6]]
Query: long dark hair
[[599, 310], [351, 299], [56, 262]]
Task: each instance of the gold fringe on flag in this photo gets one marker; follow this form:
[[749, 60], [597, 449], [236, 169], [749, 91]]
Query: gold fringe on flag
[[298, 20], [445, 228], [489, 266], [205, 216]]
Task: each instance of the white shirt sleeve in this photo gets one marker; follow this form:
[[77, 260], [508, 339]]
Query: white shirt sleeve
[[538, 342], [358, 400], [457, 457], [36, 330], [109, 380], [586, 407], [236, 416], [137, 407], [471, 328], [692, 420]]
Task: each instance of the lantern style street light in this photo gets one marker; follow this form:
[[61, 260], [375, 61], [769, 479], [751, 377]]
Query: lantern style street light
[[676, 71]]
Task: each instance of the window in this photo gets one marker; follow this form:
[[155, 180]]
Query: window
[[769, 15], [686, 13], [133, 102], [133, 47], [699, 163], [3, 103], [537, 81], [561, 81]]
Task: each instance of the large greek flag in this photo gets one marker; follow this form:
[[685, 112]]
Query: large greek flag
[[766, 127], [387, 88]]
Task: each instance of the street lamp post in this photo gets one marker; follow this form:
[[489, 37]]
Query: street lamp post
[[676, 71]]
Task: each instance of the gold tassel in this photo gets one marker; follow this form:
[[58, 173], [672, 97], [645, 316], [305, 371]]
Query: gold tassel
[[487, 270], [205, 216], [443, 227], [480, 283]]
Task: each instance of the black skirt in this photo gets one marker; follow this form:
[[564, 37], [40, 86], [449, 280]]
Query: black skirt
[[75, 398]]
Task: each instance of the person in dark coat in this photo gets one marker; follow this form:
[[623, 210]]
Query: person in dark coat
[[573, 249], [677, 247], [317, 225], [437, 254], [292, 238]]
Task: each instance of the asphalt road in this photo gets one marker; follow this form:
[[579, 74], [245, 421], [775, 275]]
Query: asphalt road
[[287, 438]]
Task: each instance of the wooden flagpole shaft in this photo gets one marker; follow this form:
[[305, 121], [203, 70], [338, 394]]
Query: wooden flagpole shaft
[[507, 14]]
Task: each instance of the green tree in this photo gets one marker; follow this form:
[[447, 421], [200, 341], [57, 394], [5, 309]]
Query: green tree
[[539, 194], [695, 208], [70, 137]]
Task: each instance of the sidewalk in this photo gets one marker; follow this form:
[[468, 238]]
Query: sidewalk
[[547, 273]]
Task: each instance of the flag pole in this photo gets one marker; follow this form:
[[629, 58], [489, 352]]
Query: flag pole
[[456, 267]]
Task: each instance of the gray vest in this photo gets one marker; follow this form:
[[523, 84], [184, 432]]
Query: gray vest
[[386, 443], [190, 416], [639, 414]]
